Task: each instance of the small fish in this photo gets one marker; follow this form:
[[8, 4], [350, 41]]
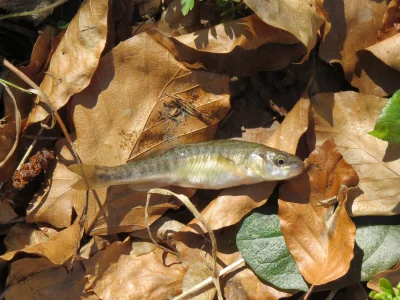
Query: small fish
[[209, 165]]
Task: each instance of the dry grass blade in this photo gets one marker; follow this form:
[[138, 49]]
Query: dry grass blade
[[17, 125], [185, 200]]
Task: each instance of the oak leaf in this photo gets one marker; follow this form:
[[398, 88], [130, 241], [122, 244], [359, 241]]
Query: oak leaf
[[150, 276], [348, 117], [320, 239]]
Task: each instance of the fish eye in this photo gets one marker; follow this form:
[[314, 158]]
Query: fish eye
[[280, 160]]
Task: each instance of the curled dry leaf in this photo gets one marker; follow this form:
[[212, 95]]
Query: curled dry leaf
[[117, 266], [393, 275], [297, 17], [141, 100], [23, 236], [7, 140], [347, 117], [391, 21], [380, 64], [39, 57], [53, 204], [354, 26], [6, 212], [244, 284], [233, 204], [320, 239], [38, 278], [76, 58], [50, 249], [240, 47], [174, 23]]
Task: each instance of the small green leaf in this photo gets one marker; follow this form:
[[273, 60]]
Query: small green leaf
[[380, 244], [187, 5], [386, 287], [263, 247], [387, 125]]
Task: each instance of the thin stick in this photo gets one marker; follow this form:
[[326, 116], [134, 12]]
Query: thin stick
[[185, 200], [33, 12], [209, 280]]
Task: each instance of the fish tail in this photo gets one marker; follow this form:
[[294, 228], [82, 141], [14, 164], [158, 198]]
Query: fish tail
[[90, 174]]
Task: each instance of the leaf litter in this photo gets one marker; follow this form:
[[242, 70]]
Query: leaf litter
[[127, 95]]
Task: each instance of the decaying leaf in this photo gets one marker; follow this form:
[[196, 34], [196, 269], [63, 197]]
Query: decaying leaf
[[7, 140], [281, 14], [53, 204], [149, 276], [348, 117], [38, 278], [128, 106], [6, 212], [380, 67], [246, 285], [240, 47], [393, 275], [320, 239], [391, 21], [23, 236], [50, 249], [354, 27], [76, 58]]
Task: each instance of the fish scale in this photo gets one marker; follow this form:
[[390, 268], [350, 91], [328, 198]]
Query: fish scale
[[209, 165]]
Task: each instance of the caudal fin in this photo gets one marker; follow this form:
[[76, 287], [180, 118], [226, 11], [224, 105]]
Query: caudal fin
[[90, 174]]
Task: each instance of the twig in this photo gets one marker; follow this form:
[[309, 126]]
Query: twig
[[185, 200], [17, 125], [209, 280], [33, 12], [28, 152]]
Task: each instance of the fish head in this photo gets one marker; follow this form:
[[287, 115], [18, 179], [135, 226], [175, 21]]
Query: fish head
[[272, 164]]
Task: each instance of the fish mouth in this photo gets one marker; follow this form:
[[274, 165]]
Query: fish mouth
[[296, 169]]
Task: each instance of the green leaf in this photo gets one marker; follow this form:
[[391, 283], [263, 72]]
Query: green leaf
[[387, 125], [262, 246], [380, 244], [386, 287], [187, 5]]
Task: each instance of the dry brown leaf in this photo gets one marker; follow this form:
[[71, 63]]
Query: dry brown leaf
[[380, 64], [6, 212], [233, 204], [151, 276], [294, 16], [53, 204], [391, 21], [174, 23], [39, 56], [393, 275], [39, 279], [95, 244], [126, 107], [244, 284], [347, 117], [354, 26], [50, 249], [22, 236], [320, 239], [240, 47], [76, 58]]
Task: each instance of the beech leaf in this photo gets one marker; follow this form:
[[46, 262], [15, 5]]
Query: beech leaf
[[320, 238]]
